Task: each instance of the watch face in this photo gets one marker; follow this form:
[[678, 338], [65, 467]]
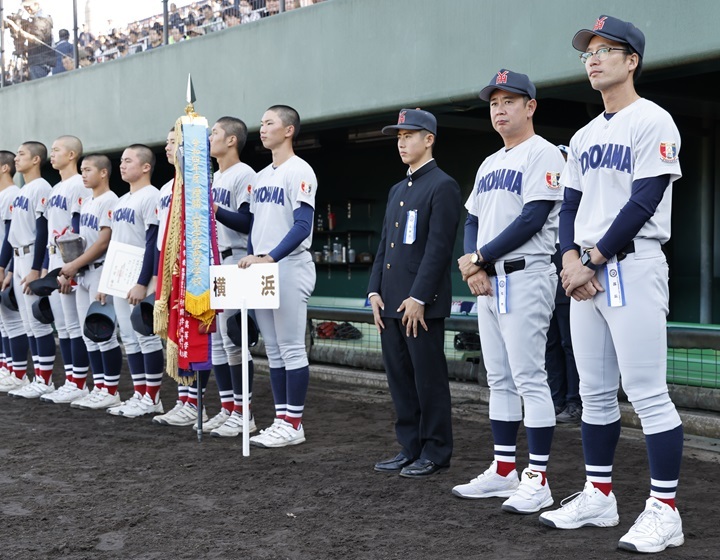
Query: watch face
[[474, 258]]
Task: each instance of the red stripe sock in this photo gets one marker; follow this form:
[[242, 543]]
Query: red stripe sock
[[542, 474], [604, 487], [668, 501], [504, 469], [139, 388]]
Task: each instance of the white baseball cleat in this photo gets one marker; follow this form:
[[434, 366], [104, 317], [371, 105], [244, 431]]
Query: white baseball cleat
[[143, 407], [488, 485], [186, 416], [657, 528], [215, 422], [12, 383], [280, 434], [531, 494], [66, 394], [33, 390], [589, 508], [80, 403], [161, 419], [125, 405], [103, 400], [233, 426]]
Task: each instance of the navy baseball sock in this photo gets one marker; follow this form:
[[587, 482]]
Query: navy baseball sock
[[278, 382], [4, 353], [19, 349], [539, 443], [96, 365], [154, 362], [136, 365], [112, 363], [67, 357], [599, 443], [664, 455], [505, 442], [46, 357], [236, 375], [34, 352], [224, 385], [80, 361], [297, 386]]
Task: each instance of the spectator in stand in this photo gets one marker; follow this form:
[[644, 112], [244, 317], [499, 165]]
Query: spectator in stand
[[291, 5], [176, 36], [156, 37], [85, 38], [63, 49], [210, 23], [231, 17], [174, 18], [272, 7], [247, 15], [192, 30], [40, 55]]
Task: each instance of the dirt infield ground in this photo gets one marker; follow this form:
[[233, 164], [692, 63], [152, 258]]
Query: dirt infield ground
[[87, 485]]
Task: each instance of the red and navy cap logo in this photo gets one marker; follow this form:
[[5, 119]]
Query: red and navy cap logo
[[502, 77], [600, 23], [401, 117]]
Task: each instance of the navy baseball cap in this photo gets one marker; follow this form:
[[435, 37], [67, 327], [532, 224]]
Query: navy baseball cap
[[563, 148], [141, 316], [234, 329], [46, 285], [100, 322], [42, 311], [507, 80], [413, 119], [7, 296], [614, 29]]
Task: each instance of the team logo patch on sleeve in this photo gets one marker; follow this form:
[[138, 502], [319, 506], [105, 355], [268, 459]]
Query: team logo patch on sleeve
[[552, 180], [80, 200], [43, 201], [668, 152], [110, 215], [306, 188], [249, 189]]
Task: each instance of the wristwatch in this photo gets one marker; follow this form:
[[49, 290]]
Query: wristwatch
[[585, 260], [475, 259]]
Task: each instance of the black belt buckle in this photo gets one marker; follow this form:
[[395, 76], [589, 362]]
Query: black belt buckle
[[226, 253], [625, 251]]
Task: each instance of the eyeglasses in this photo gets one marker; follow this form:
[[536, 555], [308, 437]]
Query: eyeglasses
[[601, 54]]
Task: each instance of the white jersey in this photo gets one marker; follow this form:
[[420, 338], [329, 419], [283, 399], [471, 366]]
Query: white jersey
[[509, 179], [66, 199], [7, 199], [638, 142], [163, 211], [29, 204], [231, 188], [279, 192], [134, 213], [97, 213]]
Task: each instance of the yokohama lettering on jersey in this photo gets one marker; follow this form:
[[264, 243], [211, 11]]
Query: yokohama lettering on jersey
[[134, 213], [279, 192], [96, 214], [638, 142], [66, 199], [509, 179], [7, 199], [231, 189], [30, 203]]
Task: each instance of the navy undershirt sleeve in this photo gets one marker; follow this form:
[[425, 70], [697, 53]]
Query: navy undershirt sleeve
[[6, 251], [156, 266], [41, 238], [236, 221], [249, 240], [530, 221], [471, 232], [568, 213], [148, 265], [298, 232], [75, 220], [645, 196]]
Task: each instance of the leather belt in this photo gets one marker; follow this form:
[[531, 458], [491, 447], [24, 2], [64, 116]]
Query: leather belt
[[510, 267], [22, 250], [52, 249], [226, 253], [87, 267], [625, 251]]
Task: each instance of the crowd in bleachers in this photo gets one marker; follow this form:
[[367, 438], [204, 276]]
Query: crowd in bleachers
[[186, 22]]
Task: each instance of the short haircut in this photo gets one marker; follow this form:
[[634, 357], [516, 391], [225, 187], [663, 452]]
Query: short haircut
[[73, 144], [36, 149], [288, 116], [100, 161], [145, 154], [234, 127], [64, 34], [8, 158]]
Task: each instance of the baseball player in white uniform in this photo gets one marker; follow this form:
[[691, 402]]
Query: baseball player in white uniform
[[63, 214], [14, 340], [28, 238], [135, 222], [95, 227], [614, 220], [282, 205], [185, 411], [232, 184], [509, 240]]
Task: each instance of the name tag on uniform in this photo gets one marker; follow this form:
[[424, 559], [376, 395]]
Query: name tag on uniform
[[615, 291], [501, 289], [410, 227]]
